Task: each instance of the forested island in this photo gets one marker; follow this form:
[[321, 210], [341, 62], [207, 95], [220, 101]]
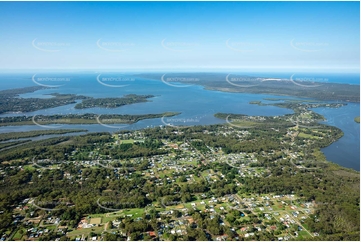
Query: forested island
[[264, 85], [16, 91], [113, 102], [11, 102]]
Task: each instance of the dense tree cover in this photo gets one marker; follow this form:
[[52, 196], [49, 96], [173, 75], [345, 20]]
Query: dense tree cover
[[113, 102], [12, 143], [11, 103], [199, 145], [34, 133], [113, 237], [16, 91], [54, 148], [335, 189], [31, 149], [88, 118]]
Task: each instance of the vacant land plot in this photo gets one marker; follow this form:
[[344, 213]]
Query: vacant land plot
[[95, 220], [127, 141], [308, 136]]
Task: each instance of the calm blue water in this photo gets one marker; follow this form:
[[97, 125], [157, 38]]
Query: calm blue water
[[196, 105], [345, 151]]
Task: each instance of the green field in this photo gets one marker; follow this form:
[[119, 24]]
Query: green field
[[126, 141], [29, 167], [18, 235], [307, 136], [303, 234], [104, 219], [243, 123]]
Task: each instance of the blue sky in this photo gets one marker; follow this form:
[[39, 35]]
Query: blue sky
[[183, 36]]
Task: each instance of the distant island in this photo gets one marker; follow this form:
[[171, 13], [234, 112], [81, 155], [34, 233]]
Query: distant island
[[11, 102], [247, 84], [113, 102]]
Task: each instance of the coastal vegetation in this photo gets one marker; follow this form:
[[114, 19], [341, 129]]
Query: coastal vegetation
[[113, 102], [88, 118], [34, 133], [12, 143], [11, 102]]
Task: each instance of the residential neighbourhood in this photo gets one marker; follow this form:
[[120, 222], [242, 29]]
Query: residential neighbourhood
[[280, 214]]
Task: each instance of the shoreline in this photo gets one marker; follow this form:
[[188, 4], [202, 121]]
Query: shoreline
[[275, 94]]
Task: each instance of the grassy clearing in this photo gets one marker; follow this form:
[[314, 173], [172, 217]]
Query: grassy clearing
[[244, 123], [95, 220], [29, 168], [18, 234], [126, 141], [303, 234], [307, 136], [80, 232], [50, 226]]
